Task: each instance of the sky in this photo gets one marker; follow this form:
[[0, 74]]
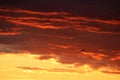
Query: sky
[[59, 39]]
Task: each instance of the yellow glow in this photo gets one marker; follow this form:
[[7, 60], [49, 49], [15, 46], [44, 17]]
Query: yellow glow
[[9, 70]]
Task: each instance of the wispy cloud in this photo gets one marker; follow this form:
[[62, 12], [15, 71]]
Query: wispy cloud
[[45, 21], [111, 72], [55, 70]]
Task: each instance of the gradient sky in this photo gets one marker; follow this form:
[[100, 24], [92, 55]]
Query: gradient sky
[[59, 39]]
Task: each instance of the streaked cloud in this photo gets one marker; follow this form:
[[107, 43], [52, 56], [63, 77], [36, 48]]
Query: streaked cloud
[[109, 72], [50, 20], [55, 70]]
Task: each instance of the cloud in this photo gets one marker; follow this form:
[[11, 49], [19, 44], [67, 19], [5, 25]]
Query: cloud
[[30, 68], [11, 31], [54, 70], [7, 49], [43, 20], [110, 72], [33, 12], [108, 9], [117, 57], [68, 38]]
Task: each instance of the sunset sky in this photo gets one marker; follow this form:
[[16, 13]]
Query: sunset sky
[[60, 40]]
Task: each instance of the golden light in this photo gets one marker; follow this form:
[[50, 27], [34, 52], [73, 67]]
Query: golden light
[[11, 63]]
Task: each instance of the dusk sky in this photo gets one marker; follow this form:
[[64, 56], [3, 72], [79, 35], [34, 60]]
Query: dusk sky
[[59, 39]]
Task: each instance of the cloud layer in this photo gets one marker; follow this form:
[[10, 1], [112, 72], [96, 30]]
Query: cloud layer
[[69, 38]]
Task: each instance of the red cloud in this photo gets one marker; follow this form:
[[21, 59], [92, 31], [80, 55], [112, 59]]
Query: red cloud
[[11, 31], [52, 20]]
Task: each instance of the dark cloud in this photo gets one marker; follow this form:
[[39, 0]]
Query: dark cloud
[[104, 9], [62, 35]]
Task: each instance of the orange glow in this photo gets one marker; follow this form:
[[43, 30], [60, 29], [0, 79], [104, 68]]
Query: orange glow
[[45, 70]]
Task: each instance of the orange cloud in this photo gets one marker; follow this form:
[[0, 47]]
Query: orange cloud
[[52, 20], [63, 46], [35, 24], [117, 57], [97, 56], [96, 30], [11, 31], [87, 19], [33, 12]]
